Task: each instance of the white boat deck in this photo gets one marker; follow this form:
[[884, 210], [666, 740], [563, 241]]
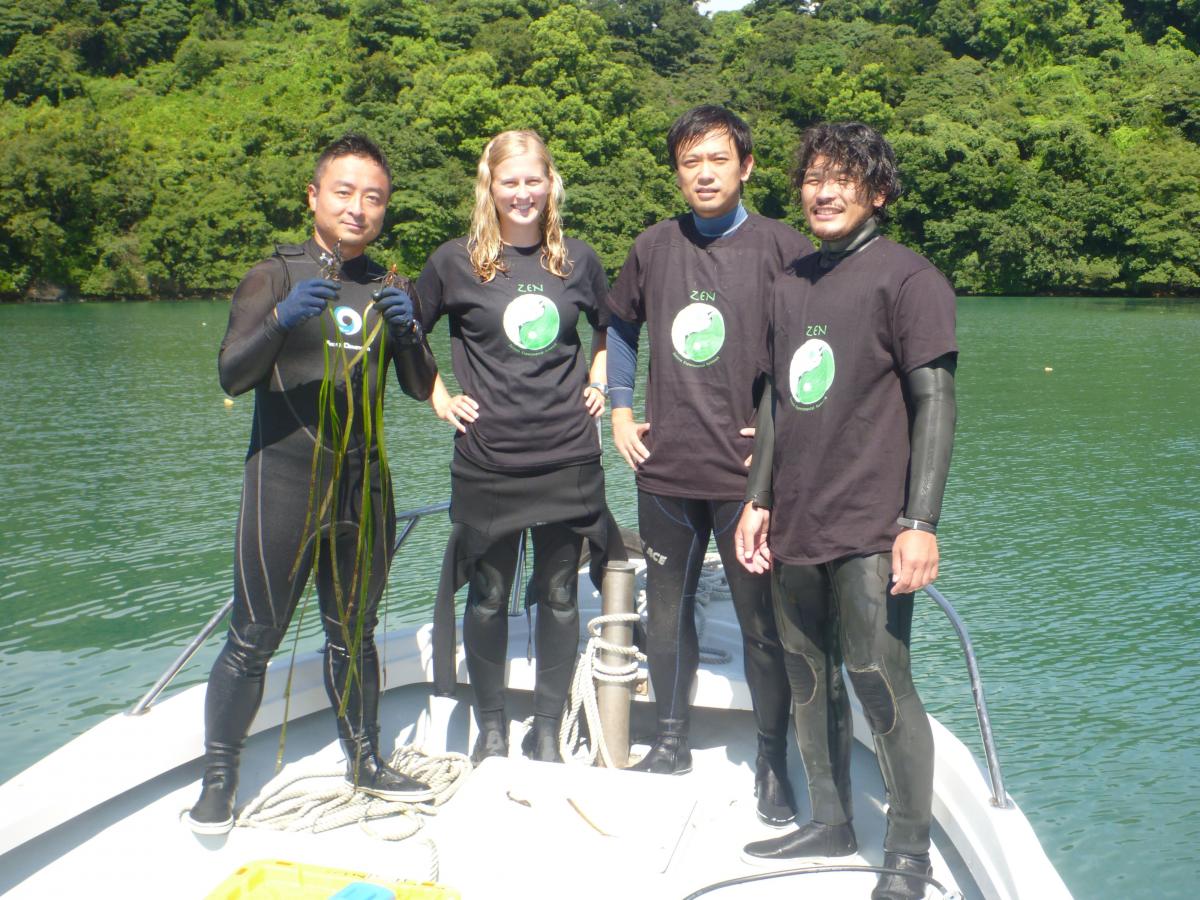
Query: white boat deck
[[87, 821]]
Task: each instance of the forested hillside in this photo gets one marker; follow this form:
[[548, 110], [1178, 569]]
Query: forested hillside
[[158, 148]]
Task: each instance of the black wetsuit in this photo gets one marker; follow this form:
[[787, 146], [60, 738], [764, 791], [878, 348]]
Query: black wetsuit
[[276, 540], [861, 352], [703, 301]]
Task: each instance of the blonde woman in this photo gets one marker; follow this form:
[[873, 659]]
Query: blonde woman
[[527, 449]]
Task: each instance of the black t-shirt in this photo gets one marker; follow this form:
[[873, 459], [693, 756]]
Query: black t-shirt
[[703, 302], [839, 343], [285, 368], [516, 352]]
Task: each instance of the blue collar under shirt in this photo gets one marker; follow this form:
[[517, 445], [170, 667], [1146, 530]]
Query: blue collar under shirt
[[721, 226]]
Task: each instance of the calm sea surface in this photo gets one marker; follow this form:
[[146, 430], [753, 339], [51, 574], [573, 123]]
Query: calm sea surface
[[1070, 539]]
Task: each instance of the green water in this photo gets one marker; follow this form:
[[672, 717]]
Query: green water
[[1071, 544]]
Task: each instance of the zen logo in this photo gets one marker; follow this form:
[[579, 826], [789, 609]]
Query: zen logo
[[815, 330], [703, 296], [527, 288]]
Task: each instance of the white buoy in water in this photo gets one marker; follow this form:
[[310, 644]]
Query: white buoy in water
[[228, 402], [1048, 369]]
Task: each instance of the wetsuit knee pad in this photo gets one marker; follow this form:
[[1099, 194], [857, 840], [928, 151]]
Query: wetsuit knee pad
[[802, 677], [251, 647], [487, 589], [558, 595], [877, 697]]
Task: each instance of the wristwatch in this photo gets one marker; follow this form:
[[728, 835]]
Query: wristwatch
[[916, 525], [600, 386]]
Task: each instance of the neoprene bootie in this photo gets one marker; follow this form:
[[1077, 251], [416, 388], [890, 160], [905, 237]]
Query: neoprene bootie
[[669, 754], [810, 839], [357, 693], [541, 740], [776, 802], [899, 887], [369, 773], [493, 736], [213, 812]]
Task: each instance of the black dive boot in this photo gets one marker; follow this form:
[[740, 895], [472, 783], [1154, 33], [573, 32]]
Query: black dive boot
[[369, 773], [230, 704], [213, 812], [541, 740], [776, 802], [670, 754], [358, 730], [810, 839], [899, 887], [493, 736]]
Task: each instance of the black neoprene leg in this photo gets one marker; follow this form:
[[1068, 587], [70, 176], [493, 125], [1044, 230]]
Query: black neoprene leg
[[554, 588], [808, 628], [675, 534], [270, 531], [875, 632], [766, 675], [485, 623]]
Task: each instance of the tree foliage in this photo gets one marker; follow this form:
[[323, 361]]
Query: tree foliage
[[159, 148]]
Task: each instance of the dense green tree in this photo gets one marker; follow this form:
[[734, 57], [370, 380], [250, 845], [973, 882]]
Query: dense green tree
[[37, 68], [160, 147]]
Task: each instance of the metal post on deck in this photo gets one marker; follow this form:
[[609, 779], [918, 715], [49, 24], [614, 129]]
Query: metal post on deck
[[614, 699]]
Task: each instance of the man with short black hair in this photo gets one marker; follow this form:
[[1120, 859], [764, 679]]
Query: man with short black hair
[[848, 478], [699, 283], [277, 345]]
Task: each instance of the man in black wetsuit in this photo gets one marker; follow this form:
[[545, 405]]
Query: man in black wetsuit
[[276, 345], [700, 283], [861, 352]]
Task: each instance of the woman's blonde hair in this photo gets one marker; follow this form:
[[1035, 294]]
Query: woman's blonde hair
[[483, 241]]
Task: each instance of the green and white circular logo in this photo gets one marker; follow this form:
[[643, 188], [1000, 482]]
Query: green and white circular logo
[[531, 322], [811, 373], [698, 332]]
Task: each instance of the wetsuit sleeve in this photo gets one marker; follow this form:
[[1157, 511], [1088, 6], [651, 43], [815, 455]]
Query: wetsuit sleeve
[[622, 361], [254, 337], [931, 391], [758, 483], [415, 365]]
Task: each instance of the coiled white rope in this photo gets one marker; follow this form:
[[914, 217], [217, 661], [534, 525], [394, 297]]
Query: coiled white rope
[[583, 692], [321, 799]]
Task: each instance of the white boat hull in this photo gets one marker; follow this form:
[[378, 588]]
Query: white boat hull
[[102, 812]]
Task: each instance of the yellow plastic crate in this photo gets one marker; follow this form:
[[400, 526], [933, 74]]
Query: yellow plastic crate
[[282, 880]]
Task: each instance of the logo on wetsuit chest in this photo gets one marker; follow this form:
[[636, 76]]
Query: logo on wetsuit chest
[[811, 372], [349, 322], [531, 322], [698, 331]]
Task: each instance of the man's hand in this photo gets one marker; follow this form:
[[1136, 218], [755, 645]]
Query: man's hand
[[750, 539], [914, 561], [593, 400], [748, 432], [307, 299], [627, 436], [396, 307]]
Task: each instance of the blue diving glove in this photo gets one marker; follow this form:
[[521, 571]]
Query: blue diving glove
[[396, 307], [307, 299]]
